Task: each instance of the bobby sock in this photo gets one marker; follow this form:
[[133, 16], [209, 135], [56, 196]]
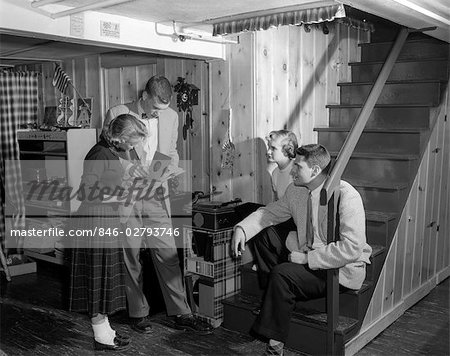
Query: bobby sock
[[102, 334], [110, 329], [273, 342]]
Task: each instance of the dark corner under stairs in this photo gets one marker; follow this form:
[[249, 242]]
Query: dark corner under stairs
[[382, 168]]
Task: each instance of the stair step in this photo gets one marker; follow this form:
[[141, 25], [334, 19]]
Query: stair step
[[377, 250], [250, 287], [427, 69], [380, 227], [370, 155], [412, 49], [377, 261], [351, 302], [249, 281], [311, 325], [385, 33], [372, 129], [411, 92], [381, 195], [377, 184], [390, 166], [388, 116], [380, 216], [376, 140]]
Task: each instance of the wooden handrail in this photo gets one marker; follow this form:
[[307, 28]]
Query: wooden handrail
[[352, 139], [329, 194]]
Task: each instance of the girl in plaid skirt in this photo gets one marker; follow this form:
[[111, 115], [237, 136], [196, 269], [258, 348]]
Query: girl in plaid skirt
[[97, 269]]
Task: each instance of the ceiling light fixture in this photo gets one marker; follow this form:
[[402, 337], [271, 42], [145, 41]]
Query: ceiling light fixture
[[92, 6], [183, 36], [423, 11], [38, 3]]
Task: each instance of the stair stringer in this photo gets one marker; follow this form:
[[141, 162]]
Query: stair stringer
[[418, 257]]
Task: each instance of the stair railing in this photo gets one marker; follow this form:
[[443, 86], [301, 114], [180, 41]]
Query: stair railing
[[329, 194]]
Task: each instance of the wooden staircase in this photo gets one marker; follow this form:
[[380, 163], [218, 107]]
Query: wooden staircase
[[382, 168]]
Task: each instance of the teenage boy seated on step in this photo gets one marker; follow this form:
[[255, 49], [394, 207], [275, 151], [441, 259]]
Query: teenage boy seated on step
[[296, 268]]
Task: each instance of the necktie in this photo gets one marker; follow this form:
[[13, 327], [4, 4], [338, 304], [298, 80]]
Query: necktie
[[309, 224]]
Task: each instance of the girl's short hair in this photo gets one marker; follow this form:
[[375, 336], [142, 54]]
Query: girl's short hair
[[123, 128], [289, 142]]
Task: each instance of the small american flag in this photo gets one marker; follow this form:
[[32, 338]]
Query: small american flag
[[60, 79]]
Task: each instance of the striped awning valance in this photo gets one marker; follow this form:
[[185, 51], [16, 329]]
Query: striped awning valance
[[294, 18]]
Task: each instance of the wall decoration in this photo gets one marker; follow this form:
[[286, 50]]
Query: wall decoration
[[65, 111], [187, 96], [84, 110], [67, 107]]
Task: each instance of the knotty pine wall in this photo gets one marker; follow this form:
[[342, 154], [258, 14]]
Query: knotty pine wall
[[418, 258], [274, 79], [109, 86]]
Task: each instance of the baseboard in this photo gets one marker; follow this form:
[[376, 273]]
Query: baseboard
[[443, 275], [370, 332]]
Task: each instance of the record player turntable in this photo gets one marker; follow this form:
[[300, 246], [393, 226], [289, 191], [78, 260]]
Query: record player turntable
[[215, 216]]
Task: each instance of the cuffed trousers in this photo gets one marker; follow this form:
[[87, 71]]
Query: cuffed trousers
[[151, 214], [287, 283]]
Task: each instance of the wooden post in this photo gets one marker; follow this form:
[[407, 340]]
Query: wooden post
[[328, 194], [332, 278]]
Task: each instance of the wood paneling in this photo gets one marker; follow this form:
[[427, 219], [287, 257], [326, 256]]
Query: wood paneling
[[443, 225], [279, 78], [241, 100], [294, 76], [265, 117], [389, 281], [400, 240], [410, 221], [93, 89], [49, 92], [196, 72], [115, 85], [429, 231], [125, 84], [129, 84], [220, 102]]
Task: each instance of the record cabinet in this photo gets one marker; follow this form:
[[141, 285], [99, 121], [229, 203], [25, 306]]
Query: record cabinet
[[212, 275]]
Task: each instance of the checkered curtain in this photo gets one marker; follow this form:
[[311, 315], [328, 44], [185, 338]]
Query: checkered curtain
[[18, 106]]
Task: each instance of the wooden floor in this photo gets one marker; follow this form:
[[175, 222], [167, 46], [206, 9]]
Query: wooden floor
[[422, 330], [35, 322]]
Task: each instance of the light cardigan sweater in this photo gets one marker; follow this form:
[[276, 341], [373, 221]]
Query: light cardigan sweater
[[350, 254]]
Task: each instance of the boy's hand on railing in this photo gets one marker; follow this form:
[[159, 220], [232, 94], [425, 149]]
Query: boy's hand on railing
[[298, 257], [238, 242]]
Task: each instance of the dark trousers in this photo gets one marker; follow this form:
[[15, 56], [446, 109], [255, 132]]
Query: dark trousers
[[269, 249], [287, 282]]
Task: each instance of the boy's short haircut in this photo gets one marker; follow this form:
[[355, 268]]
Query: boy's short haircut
[[159, 87], [315, 154], [289, 142]]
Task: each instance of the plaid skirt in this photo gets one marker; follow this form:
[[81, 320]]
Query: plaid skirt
[[97, 280]]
